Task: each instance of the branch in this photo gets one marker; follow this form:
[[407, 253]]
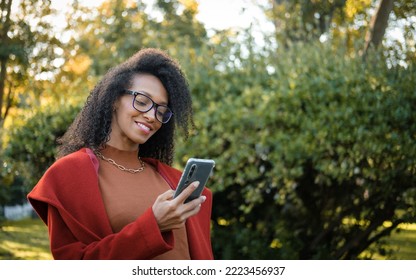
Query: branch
[[344, 252], [385, 232]]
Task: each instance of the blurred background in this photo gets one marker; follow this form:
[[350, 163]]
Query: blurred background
[[308, 108]]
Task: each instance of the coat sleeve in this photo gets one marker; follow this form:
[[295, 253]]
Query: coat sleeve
[[138, 240]]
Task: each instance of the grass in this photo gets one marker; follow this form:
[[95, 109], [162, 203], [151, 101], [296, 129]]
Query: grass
[[28, 240], [24, 240], [402, 244]]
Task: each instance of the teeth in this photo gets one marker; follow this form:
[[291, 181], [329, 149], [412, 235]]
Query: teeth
[[143, 126]]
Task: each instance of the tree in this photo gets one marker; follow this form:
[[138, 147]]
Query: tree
[[124, 27], [302, 20], [5, 27], [378, 25], [27, 61], [26, 50], [352, 23]]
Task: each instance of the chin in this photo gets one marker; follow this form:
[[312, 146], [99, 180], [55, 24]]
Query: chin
[[141, 140]]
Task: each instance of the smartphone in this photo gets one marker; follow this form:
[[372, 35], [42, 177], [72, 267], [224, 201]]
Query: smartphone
[[196, 169]]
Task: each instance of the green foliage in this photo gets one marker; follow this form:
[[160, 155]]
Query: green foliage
[[344, 23], [314, 147], [4, 190], [302, 20], [27, 52], [123, 28], [32, 143], [313, 154]]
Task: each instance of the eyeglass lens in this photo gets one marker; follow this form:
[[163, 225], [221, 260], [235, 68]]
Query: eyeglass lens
[[144, 103]]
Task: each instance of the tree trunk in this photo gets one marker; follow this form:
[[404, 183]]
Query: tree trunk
[[2, 87], [4, 41], [378, 25]]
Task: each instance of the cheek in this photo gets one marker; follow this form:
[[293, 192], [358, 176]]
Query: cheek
[[122, 116], [157, 128], [126, 110]]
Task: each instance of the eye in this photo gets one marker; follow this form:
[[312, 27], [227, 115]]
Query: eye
[[141, 103], [160, 114], [142, 100]]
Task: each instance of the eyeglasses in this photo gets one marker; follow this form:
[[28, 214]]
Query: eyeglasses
[[144, 103]]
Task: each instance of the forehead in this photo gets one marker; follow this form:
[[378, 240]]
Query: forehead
[[151, 86]]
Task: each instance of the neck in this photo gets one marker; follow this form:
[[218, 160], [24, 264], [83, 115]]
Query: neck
[[123, 146]]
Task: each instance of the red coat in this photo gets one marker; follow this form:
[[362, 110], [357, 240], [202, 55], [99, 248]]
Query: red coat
[[67, 198]]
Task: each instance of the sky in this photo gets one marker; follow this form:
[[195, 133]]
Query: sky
[[215, 14], [220, 14]]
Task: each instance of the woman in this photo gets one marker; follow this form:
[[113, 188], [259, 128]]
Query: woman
[[109, 194]]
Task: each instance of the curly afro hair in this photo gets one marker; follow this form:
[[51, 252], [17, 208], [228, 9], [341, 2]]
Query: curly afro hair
[[91, 127]]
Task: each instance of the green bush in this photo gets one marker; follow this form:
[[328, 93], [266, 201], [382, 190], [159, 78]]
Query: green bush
[[315, 151], [31, 143]]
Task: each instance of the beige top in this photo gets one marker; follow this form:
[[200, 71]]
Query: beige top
[[126, 196]]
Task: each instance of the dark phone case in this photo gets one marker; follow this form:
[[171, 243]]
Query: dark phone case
[[195, 170]]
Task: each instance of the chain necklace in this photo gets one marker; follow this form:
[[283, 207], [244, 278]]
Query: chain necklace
[[119, 166]]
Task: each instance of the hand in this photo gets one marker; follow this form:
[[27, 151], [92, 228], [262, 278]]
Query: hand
[[172, 213]]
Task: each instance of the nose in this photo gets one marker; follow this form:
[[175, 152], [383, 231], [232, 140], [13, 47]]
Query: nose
[[151, 114]]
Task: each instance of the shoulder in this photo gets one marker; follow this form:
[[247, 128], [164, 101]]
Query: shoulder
[[70, 166], [76, 159], [66, 178], [67, 174], [80, 155]]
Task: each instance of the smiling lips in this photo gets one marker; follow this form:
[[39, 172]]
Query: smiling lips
[[143, 127]]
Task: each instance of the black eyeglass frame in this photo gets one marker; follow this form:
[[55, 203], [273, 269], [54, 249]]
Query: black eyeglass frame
[[154, 104]]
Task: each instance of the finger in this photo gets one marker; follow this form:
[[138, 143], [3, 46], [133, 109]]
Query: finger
[[187, 192], [194, 204], [192, 211], [167, 195]]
